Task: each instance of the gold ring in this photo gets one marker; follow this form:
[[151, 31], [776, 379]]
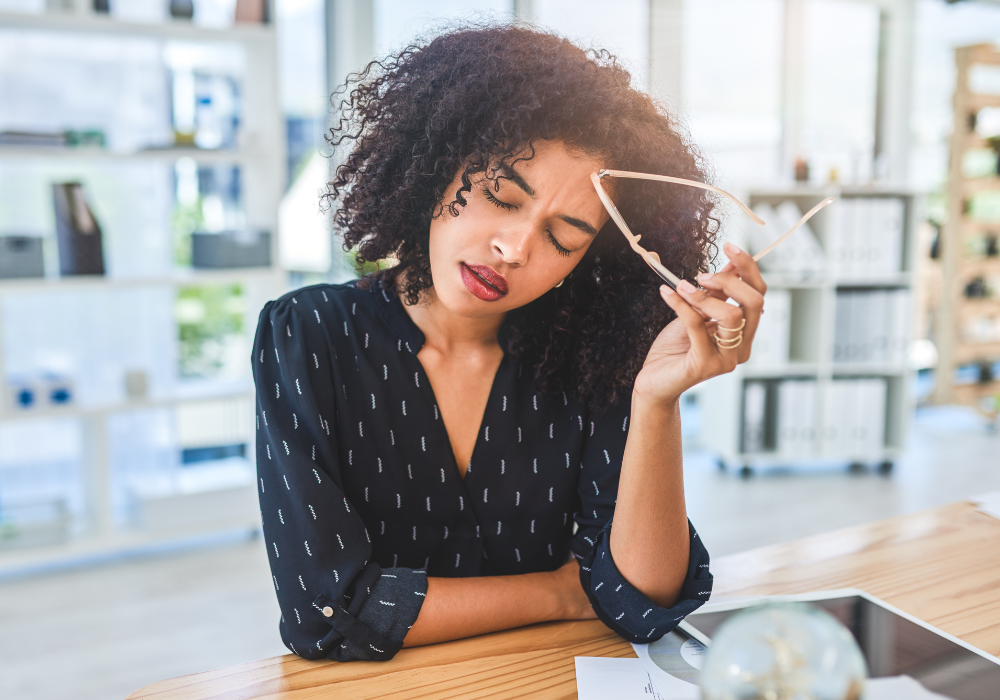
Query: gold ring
[[734, 330], [728, 343]]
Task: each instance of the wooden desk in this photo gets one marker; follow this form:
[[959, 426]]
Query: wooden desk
[[942, 565]]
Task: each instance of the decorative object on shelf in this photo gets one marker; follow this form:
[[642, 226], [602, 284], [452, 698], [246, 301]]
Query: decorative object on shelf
[[801, 170], [78, 233], [229, 249], [254, 11], [21, 256], [182, 9], [41, 390], [60, 5], [136, 384], [783, 651]]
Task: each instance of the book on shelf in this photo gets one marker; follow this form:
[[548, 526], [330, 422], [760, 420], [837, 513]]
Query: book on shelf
[[872, 326], [77, 231], [867, 236], [771, 342]]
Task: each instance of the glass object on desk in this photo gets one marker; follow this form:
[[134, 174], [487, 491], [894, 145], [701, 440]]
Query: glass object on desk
[[783, 651]]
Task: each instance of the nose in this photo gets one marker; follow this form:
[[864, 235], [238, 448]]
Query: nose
[[512, 245]]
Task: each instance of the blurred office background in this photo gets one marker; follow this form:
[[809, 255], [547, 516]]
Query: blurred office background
[[160, 162]]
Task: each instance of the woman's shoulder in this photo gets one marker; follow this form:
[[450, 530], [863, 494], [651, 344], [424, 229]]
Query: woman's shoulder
[[330, 302]]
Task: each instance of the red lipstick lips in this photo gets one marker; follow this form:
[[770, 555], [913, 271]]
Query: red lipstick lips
[[484, 282]]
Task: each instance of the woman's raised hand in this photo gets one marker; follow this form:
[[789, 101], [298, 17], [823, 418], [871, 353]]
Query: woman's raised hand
[[710, 336]]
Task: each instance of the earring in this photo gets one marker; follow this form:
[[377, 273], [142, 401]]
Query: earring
[[560, 283]]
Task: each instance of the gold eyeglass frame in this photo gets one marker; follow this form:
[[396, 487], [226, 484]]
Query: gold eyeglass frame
[[651, 258]]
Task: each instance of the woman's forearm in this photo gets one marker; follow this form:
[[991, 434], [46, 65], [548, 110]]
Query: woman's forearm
[[456, 608], [649, 536]]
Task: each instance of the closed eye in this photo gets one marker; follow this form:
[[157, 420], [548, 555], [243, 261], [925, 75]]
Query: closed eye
[[507, 206], [565, 252]]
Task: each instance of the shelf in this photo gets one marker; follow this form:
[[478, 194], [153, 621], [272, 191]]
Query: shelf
[[195, 393], [833, 190], [777, 459], [179, 279], [793, 370], [983, 265], [898, 279], [867, 369], [94, 548], [154, 154], [170, 29], [981, 184], [778, 281]]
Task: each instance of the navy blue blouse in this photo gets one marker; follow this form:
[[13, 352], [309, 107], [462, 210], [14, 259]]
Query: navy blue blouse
[[361, 498]]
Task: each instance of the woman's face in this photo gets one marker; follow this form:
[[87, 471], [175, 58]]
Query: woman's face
[[506, 248]]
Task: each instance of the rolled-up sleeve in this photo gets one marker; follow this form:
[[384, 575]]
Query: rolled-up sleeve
[[335, 603], [619, 604]]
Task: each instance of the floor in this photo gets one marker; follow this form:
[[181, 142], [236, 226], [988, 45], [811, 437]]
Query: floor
[[100, 633]]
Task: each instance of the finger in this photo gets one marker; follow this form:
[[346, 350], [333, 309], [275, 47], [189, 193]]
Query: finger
[[746, 266], [694, 323], [728, 285], [728, 315]]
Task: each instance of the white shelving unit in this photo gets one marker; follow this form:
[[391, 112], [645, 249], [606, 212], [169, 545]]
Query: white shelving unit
[[217, 512], [811, 341]]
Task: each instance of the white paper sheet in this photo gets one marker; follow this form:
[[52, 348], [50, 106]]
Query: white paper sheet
[[602, 678], [898, 688], [988, 503]]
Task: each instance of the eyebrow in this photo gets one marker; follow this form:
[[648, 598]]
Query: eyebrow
[[582, 225], [509, 173]]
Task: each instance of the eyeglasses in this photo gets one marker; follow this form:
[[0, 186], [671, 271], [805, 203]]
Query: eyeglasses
[[651, 258]]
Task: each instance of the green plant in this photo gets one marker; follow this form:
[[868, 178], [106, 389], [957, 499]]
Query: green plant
[[210, 322]]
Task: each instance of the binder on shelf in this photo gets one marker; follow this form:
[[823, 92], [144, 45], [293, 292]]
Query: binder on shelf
[[867, 237], [77, 231], [854, 413], [797, 417], [872, 327], [800, 255], [771, 343], [758, 417]]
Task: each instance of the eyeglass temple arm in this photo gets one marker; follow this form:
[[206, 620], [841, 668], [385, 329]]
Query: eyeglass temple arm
[[651, 259], [694, 183], [682, 181]]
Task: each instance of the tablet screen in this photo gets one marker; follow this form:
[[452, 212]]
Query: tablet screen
[[895, 646]]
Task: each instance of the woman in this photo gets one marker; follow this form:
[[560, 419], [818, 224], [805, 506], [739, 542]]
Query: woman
[[435, 441]]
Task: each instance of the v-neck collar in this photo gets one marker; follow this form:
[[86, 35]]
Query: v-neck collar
[[391, 307]]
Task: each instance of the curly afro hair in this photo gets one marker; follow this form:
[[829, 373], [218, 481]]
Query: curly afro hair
[[479, 96]]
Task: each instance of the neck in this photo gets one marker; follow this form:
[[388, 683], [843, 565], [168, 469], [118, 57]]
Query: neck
[[447, 332]]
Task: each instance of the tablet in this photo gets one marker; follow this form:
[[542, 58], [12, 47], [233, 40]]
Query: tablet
[[893, 642]]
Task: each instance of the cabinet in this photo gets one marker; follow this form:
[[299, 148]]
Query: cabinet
[[137, 457], [829, 379], [967, 319]]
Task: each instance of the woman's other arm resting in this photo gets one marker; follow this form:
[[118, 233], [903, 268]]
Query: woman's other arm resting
[[464, 607]]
